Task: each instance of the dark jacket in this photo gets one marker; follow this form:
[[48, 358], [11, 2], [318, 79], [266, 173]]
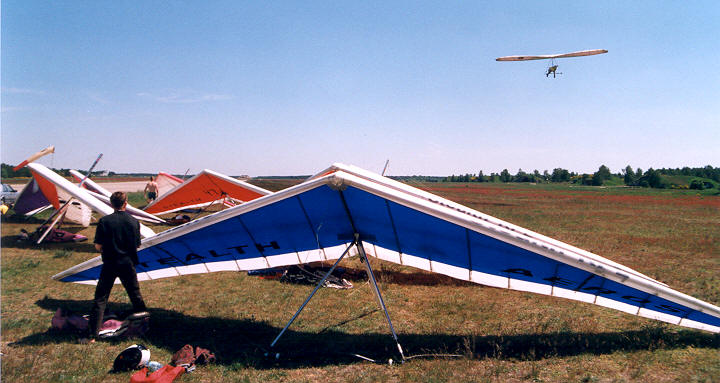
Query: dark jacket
[[119, 235]]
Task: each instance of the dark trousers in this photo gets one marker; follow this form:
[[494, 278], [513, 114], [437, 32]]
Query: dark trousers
[[126, 272]]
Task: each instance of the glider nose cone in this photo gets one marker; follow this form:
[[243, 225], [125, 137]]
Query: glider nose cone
[[337, 181]]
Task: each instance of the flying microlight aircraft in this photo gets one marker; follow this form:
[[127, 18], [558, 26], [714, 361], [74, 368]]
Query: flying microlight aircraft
[[552, 69]]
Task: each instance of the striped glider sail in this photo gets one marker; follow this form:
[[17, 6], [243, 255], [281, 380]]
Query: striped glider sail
[[319, 218], [204, 189]]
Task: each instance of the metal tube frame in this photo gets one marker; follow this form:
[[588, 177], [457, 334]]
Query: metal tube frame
[[357, 242], [371, 276], [307, 300]]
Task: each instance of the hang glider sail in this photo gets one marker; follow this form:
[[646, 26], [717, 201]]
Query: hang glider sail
[[53, 185], [42, 189], [31, 200], [205, 188], [103, 195], [552, 69], [556, 56], [320, 218], [166, 182]]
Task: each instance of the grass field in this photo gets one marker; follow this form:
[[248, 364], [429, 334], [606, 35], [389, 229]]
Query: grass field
[[497, 335]]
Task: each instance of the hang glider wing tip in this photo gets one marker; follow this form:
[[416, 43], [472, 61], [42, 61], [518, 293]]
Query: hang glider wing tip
[[410, 227], [591, 52]]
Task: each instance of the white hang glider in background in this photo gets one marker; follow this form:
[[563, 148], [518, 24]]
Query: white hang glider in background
[[40, 194], [552, 69], [103, 195], [345, 210], [53, 185]]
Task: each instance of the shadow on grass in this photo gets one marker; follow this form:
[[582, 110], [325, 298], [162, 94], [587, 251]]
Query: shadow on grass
[[415, 278], [13, 242], [241, 343]]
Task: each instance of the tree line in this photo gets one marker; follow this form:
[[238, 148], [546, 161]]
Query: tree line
[[8, 172], [654, 178], [707, 177]]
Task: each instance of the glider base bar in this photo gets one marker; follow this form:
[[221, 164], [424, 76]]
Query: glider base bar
[[313, 293], [371, 276]]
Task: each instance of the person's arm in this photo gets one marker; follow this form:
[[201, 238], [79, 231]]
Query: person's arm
[[99, 236], [137, 234]]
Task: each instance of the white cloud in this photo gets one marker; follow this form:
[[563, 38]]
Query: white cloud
[[6, 109], [185, 97], [21, 91]]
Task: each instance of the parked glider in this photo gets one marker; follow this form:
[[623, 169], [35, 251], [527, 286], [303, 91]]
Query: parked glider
[[552, 69], [346, 209], [103, 195], [52, 185], [204, 189], [31, 200], [41, 194]]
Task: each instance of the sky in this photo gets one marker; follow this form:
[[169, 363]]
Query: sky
[[288, 88]]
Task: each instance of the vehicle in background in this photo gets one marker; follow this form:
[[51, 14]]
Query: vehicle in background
[[9, 195]]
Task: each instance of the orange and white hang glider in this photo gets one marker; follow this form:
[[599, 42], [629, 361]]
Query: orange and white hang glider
[[552, 69], [205, 188]]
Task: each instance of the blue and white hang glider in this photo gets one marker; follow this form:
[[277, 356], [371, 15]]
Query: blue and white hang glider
[[346, 210]]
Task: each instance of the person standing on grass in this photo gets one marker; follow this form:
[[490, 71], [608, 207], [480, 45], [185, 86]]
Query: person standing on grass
[[117, 238], [151, 190]]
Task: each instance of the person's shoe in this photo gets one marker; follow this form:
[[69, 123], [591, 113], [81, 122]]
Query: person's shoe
[[138, 315]]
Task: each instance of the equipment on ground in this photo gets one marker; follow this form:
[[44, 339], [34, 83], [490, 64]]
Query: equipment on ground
[[132, 358]]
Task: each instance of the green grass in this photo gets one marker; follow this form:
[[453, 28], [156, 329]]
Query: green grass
[[499, 335]]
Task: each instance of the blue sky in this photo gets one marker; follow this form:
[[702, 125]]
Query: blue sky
[[287, 88]]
